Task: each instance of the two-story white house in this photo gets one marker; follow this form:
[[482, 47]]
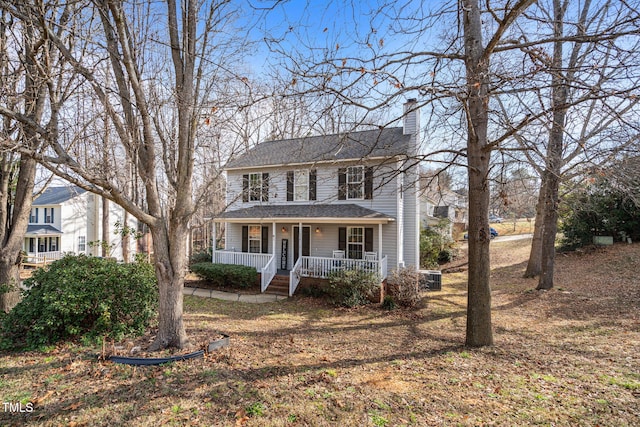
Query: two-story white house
[[68, 219], [307, 206]]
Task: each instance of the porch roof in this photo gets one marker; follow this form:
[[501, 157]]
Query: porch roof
[[39, 230], [318, 213]]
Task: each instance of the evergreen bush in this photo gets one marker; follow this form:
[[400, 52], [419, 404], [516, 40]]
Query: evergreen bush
[[598, 210], [436, 246], [82, 296], [226, 275], [350, 288]]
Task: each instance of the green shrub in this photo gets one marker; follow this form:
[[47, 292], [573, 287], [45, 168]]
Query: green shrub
[[82, 296], [436, 246], [388, 303], [198, 257], [598, 210], [226, 275], [404, 287], [350, 288]]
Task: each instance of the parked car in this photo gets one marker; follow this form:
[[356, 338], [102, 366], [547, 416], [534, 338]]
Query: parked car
[[493, 231], [495, 218]]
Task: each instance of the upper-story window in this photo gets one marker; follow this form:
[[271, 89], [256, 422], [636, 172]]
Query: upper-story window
[[301, 185], [255, 187], [48, 215], [33, 218], [355, 183]]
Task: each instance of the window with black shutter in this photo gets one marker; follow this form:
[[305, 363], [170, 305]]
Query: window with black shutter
[[355, 241]]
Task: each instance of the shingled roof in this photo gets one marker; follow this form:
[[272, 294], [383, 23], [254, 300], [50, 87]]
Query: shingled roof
[[57, 195], [293, 211], [378, 143]]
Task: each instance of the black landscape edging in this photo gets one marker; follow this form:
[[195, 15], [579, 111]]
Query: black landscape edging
[[145, 361]]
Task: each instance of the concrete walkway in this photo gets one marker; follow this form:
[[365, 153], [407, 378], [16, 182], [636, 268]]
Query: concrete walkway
[[231, 296]]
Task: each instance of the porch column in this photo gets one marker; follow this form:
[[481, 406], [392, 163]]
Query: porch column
[[273, 239], [379, 241]]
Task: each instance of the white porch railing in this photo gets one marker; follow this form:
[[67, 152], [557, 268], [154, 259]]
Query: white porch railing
[[41, 257], [383, 268], [322, 267], [257, 261], [267, 273], [294, 276]]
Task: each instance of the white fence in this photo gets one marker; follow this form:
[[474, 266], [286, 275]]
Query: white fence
[[257, 261], [267, 274], [322, 267], [33, 258]]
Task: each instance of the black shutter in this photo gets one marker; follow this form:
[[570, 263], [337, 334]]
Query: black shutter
[[342, 184], [245, 188], [313, 178], [265, 187], [368, 183], [368, 239], [265, 240], [342, 238], [245, 238], [290, 186]]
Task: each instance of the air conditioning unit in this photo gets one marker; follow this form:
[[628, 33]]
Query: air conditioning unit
[[430, 280]]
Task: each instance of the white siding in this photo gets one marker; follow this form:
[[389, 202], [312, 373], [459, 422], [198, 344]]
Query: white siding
[[385, 200]]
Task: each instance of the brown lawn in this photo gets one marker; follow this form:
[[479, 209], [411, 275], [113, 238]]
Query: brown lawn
[[566, 357]]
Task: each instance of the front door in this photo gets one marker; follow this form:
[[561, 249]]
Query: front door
[[306, 233]]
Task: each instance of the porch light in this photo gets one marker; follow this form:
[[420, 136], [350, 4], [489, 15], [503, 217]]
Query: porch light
[[284, 229], [317, 229]]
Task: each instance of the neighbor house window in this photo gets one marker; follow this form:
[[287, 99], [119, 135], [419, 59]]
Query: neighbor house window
[[255, 239], [53, 244], [255, 187], [48, 216], [82, 244], [34, 216], [355, 242]]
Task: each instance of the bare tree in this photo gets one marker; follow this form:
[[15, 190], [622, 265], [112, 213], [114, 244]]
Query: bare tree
[[29, 102], [587, 107], [164, 65]]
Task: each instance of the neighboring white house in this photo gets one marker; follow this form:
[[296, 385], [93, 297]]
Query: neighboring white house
[[69, 219], [437, 202], [311, 205]]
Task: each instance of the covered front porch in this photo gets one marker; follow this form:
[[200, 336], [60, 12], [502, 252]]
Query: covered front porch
[[41, 244], [344, 237]]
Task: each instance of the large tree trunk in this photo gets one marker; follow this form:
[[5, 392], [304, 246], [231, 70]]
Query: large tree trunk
[[9, 274], [479, 331], [554, 155], [13, 231], [170, 263], [534, 265]]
